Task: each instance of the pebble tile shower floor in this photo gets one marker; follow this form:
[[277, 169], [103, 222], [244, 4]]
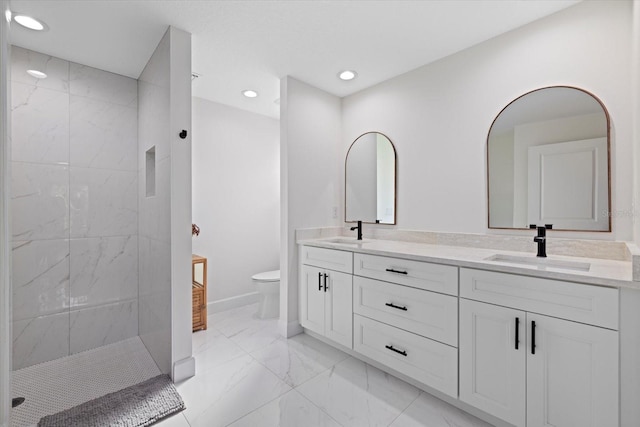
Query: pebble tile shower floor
[[61, 384]]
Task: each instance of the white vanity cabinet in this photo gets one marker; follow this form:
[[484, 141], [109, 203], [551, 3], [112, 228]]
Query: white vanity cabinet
[[539, 352], [326, 294], [399, 322]]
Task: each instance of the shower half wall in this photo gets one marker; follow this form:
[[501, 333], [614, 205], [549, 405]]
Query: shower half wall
[[74, 208]]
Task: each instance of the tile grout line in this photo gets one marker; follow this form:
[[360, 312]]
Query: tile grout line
[[68, 92], [405, 409], [247, 353], [321, 410], [291, 349], [294, 388]]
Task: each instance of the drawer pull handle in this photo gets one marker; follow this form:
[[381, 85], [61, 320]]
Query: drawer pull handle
[[390, 304], [325, 281], [319, 281], [402, 352], [533, 337], [391, 270], [517, 332]]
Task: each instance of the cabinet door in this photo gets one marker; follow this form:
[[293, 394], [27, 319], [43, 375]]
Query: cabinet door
[[312, 295], [492, 370], [339, 308], [572, 379]]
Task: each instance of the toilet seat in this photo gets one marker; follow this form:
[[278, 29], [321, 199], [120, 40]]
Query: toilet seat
[[267, 276]]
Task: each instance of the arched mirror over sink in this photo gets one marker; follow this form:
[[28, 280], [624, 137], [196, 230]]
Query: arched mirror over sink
[[370, 180], [548, 162]]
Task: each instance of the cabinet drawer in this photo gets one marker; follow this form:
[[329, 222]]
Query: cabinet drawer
[[327, 258], [593, 305], [429, 362], [422, 312], [423, 275]]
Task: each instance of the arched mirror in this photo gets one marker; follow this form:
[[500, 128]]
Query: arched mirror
[[548, 162], [370, 180]]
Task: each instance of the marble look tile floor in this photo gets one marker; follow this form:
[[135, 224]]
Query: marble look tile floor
[[249, 376]]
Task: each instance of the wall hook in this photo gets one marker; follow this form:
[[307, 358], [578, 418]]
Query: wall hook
[[183, 134]]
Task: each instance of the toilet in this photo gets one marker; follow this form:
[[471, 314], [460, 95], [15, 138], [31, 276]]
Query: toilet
[[268, 286]]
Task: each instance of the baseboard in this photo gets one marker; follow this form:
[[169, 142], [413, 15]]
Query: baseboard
[[233, 302], [289, 329], [183, 369]]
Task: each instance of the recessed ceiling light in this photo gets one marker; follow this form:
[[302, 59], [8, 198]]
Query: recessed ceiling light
[[29, 22], [37, 74], [250, 93], [347, 75]]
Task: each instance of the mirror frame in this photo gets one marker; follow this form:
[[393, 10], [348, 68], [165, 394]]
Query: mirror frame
[[606, 113], [395, 181]]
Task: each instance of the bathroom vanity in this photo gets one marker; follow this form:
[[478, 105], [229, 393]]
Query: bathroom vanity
[[528, 341]]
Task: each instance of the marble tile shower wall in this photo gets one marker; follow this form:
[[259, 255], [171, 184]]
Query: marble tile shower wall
[[155, 208], [74, 208]]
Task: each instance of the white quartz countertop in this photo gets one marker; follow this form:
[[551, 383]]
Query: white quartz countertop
[[601, 272]]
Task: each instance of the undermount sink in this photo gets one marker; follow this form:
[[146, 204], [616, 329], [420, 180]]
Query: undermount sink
[[540, 262], [346, 241]]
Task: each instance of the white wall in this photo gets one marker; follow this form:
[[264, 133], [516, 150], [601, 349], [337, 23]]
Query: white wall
[[438, 116], [635, 90], [165, 214], [236, 197], [311, 181], [182, 361], [5, 231]]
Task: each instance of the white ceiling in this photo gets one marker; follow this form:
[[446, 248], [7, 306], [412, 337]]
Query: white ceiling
[[252, 44]]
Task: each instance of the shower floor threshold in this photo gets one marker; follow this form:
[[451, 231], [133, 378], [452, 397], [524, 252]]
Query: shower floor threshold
[[60, 384]]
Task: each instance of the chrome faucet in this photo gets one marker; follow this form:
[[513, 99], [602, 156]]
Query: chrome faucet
[[359, 228], [541, 238]]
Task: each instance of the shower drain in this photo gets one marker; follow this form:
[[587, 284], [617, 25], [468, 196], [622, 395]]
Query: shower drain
[[17, 401]]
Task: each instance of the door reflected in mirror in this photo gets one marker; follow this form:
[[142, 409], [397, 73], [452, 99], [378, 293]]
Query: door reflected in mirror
[[548, 162], [370, 180]]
